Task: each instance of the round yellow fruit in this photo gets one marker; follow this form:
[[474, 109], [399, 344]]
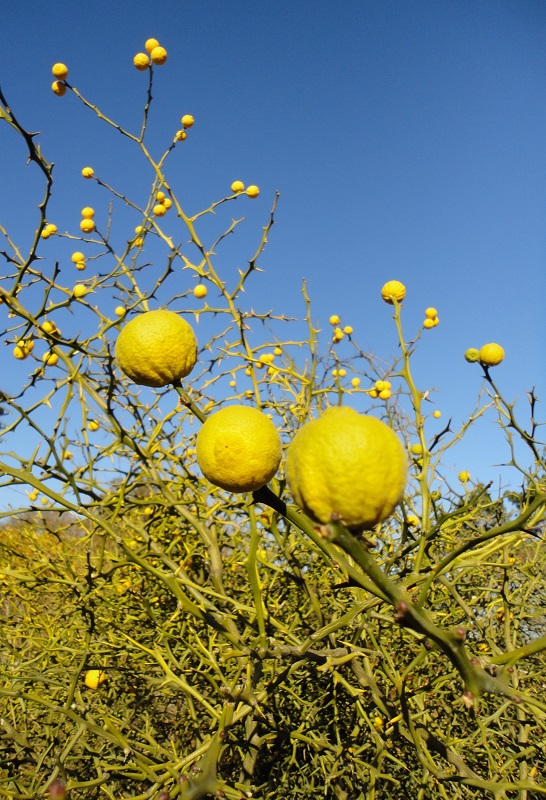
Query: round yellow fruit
[[238, 449], [348, 330], [141, 61], [94, 678], [431, 313], [252, 191], [120, 311], [157, 348], [87, 225], [151, 44], [187, 121], [88, 212], [58, 88], [77, 256], [334, 320], [60, 71], [393, 290], [237, 186], [416, 449], [464, 476], [348, 466], [88, 172], [355, 383], [50, 359], [428, 323], [436, 414], [491, 354], [160, 210], [93, 425], [79, 290], [472, 354], [180, 136], [158, 55], [200, 291]]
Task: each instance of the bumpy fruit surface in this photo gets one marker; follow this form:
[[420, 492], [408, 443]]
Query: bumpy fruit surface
[[472, 355], [60, 71], [252, 191], [393, 290], [158, 55], [58, 88], [94, 678], [238, 449], [157, 348], [141, 61], [347, 465], [187, 121], [491, 355], [151, 44], [237, 186]]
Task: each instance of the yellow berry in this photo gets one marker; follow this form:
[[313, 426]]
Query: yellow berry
[[167, 202], [428, 323], [385, 394], [248, 371], [491, 354], [88, 212], [277, 351], [338, 334], [60, 71], [431, 313], [79, 290], [138, 242], [180, 136], [472, 354], [120, 311], [139, 229], [93, 425], [355, 382], [252, 191], [348, 330], [160, 196], [88, 172], [51, 228], [141, 61], [19, 353], [77, 256], [200, 291], [58, 88], [45, 234], [412, 520], [436, 321], [373, 393], [464, 476], [50, 359], [187, 120], [87, 225], [28, 347], [94, 678], [416, 449], [393, 290], [80, 265], [160, 210], [33, 495], [49, 327], [437, 414], [233, 384], [237, 186], [334, 320], [342, 373], [151, 44], [158, 55]]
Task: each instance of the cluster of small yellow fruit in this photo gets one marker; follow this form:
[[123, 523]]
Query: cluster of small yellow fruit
[[60, 73], [237, 187], [78, 259], [490, 355], [155, 54], [48, 230], [338, 332], [431, 318], [187, 122], [23, 349], [162, 205], [87, 224], [381, 389]]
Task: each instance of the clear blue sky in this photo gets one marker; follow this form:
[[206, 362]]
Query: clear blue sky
[[407, 140]]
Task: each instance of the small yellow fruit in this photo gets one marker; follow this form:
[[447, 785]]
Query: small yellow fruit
[[139, 229], [233, 384], [277, 351], [88, 212], [355, 382], [342, 373], [252, 191], [237, 186], [472, 355], [94, 678], [385, 394], [80, 265], [158, 55], [120, 311], [428, 323], [334, 320], [347, 465], [160, 196], [151, 44], [347, 330], [200, 291], [58, 88], [19, 353], [412, 520], [45, 234], [87, 225], [464, 476], [431, 313], [167, 202], [437, 414], [80, 290], [33, 496], [88, 172], [160, 210], [393, 290], [93, 425], [491, 355], [60, 71], [77, 256], [373, 393], [49, 327], [416, 449], [157, 348], [50, 359], [238, 449], [187, 120], [141, 61], [28, 346], [180, 136], [51, 228], [139, 241], [338, 334]]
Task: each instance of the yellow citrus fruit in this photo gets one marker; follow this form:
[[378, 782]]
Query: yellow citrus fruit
[[416, 449], [88, 172], [384, 394], [151, 44], [347, 465], [180, 136], [51, 228], [139, 229], [347, 330], [120, 311], [93, 425], [277, 351], [160, 196], [80, 265], [238, 449], [334, 320], [50, 359], [167, 202], [237, 186], [431, 313], [187, 120], [141, 61], [393, 290], [19, 352], [428, 323], [200, 291], [157, 348], [87, 225], [45, 234], [252, 191], [464, 476], [94, 678], [79, 290], [373, 393], [355, 382], [158, 55], [49, 327], [88, 212], [437, 414], [472, 354], [491, 355], [58, 88], [160, 210], [77, 256], [60, 71]]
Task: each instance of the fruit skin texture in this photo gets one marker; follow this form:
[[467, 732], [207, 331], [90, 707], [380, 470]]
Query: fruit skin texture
[[491, 355], [252, 191], [151, 44], [237, 186], [472, 355], [156, 348], [238, 449], [158, 55], [58, 88], [349, 465], [94, 678], [141, 61], [393, 290], [187, 120], [60, 71]]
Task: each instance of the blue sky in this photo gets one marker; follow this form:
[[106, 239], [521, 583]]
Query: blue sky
[[406, 139]]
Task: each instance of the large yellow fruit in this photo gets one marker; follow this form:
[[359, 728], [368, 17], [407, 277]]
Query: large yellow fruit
[[238, 449], [157, 348], [94, 678], [349, 465], [491, 354]]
